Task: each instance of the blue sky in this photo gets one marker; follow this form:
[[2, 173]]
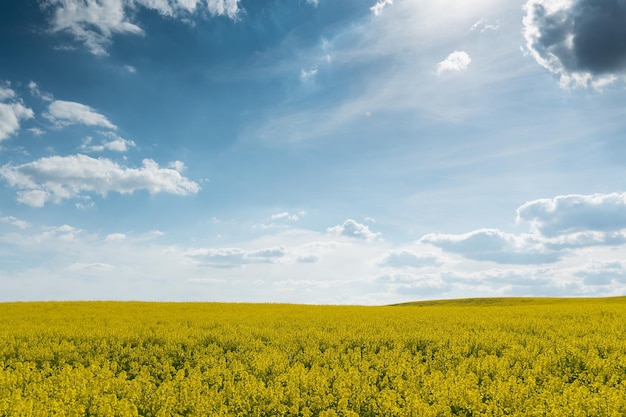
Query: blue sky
[[342, 152]]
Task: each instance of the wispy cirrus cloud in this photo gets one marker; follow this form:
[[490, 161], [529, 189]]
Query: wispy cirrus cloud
[[483, 26], [234, 257], [380, 5], [308, 74], [22, 224], [57, 178], [36, 92], [381, 52], [285, 215]]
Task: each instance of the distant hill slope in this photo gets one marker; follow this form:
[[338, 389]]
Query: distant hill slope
[[510, 301]]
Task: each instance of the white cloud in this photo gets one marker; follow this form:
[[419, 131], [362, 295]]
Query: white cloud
[[494, 245], [65, 232], [115, 236], [162, 6], [405, 258], [306, 74], [414, 285], [36, 131], [352, 229], [584, 240], [228, 8], [377, 9], [36, 92], [12, 112], [456, 61], [85, 206], [119, 145], [580, 41], [291, 266], [603, 273], [234, 257], [33, 198], [99, 266], [575, 213], [559, 226], [483, 26], [187, 5], [114, 143], [66, 113], [392, 58], [15, 222], [307, 259], [10, 116], [178, 166], [310, 284], [285, 216], [6, 93], [58, 178], [130, 69], [281, 220], [94, 22]]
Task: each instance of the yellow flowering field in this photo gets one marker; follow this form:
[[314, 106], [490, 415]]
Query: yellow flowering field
[[482, 357]]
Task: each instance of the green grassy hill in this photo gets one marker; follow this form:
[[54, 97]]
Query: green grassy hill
[[510, 301]]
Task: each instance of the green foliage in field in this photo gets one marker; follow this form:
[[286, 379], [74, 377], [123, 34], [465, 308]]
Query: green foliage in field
[[466, 358]]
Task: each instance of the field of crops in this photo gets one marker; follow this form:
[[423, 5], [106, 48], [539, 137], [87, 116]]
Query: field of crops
[[516, 357]]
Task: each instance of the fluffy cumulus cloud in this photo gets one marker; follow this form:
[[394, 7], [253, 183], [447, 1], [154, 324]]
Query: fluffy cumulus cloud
[[352, 229], [568, 214], [12, 112], [66, 113], [58, 178], [558, 227], [493, 245], [94, 22], [302, 266], [111, 142], [582, 41], [91, 22], [456, 61], [405, 258]]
